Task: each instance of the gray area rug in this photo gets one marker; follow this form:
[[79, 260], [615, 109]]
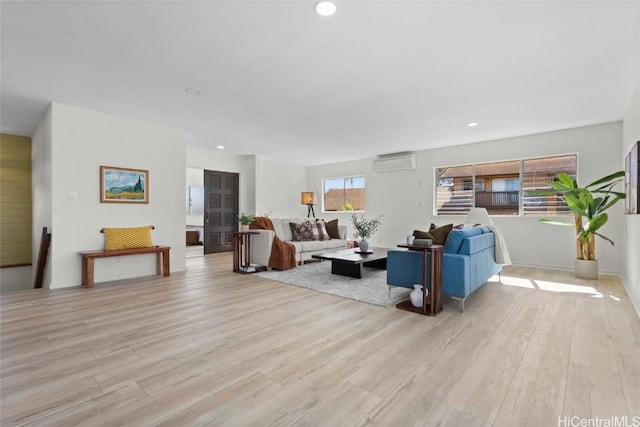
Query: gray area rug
[[372, 288]]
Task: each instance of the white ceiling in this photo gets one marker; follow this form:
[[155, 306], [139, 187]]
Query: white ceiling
[[279, 81]]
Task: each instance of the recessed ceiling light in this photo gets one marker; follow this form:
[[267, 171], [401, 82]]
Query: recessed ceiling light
[[325, 8], [472, 124], [220, 147], [192, 91]]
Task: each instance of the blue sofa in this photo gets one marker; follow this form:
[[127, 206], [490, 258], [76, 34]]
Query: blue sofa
[[468, 262]]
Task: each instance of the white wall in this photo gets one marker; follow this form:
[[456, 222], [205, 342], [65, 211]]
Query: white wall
[[405, 199], [376, 198], [195, 178], [631, 243], [41, 182], [217, 160], [278, 188], [82, 141], [266, 186]]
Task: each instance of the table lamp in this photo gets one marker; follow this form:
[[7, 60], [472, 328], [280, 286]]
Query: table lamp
[[478, 216]]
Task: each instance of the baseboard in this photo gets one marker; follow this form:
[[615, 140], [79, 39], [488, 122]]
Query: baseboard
[[636, 304]]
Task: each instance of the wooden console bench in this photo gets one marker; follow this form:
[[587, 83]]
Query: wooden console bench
[[162, 253]]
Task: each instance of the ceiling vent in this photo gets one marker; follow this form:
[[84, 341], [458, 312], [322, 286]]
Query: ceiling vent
[[395, 162]]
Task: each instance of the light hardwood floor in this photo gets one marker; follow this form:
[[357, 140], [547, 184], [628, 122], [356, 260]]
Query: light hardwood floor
[[210, 347]]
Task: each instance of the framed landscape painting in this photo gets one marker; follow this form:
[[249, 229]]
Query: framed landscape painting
[[121, 185]]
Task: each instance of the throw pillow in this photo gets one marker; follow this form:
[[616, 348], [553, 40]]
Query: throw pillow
[[438, 235], [332, 229], [455, 227], [127, 238], [319, 230], [301, 232]]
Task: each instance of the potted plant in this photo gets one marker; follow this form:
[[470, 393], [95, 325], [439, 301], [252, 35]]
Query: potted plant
[[588, 205], [364, 228], [244, 221]]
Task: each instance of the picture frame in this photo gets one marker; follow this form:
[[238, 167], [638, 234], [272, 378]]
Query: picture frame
[[632, 176], [123, 185]]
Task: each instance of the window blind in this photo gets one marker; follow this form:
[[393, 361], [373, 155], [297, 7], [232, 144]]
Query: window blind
[[536, 175], [15, 201]]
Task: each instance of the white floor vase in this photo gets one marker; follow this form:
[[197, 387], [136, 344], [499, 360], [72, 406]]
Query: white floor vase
[[416, 295]]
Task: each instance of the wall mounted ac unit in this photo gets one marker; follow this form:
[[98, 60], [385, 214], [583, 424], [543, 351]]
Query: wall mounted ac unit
[[395, 162]]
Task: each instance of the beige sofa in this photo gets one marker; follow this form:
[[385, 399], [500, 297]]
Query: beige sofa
[[261, 243]]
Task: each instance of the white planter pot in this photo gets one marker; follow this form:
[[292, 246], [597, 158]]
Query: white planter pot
[[586, 269], [364, 245]]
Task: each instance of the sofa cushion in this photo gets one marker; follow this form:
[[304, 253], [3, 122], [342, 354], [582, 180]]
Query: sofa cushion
[[315, 245], [319, 230], [301, 232], [282, 229], [284, 232], [455, 227], [454, 240], [477, 243], [332, 229], [438, 235], [335, 244]]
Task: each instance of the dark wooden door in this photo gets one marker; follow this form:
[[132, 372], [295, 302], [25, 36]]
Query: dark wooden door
[[221, 196]]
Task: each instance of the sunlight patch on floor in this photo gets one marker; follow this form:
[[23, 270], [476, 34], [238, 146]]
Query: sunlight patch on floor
[[566, 287], [517, 281], [544, 285]]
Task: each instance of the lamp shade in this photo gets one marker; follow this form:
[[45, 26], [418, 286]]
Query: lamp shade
[[308, 198], [478, 216]]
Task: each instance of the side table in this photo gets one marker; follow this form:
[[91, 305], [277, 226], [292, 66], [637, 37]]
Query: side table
[[242, 252], [434, 304]]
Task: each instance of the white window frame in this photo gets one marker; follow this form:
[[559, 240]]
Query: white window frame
[[344, 178], [522, 211]]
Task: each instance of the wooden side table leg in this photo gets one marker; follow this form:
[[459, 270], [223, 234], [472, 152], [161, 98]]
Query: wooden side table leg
[[166, 264], [236, 253], [424, 283], [438, 282], [247, 250], [87, 272], [433, 295], [84, 271]]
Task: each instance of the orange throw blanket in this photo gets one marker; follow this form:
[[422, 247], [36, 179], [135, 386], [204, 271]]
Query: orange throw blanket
[[283, 255]]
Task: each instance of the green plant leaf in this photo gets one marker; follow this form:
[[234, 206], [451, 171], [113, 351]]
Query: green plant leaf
[[615, 175], [567, 180], [605, 238], [589, 203], [596, 222]]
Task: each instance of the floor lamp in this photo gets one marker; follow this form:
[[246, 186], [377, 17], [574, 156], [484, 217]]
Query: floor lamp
[[309, 198]]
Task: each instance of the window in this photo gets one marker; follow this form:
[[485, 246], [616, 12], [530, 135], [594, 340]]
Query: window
[[343, 194], [498, 186], [454, 194], [536, 175]]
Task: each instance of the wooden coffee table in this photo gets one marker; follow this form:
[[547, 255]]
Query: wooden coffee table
[[349, 262]]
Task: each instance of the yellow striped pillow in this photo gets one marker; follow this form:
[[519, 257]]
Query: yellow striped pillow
[[127, 238]]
